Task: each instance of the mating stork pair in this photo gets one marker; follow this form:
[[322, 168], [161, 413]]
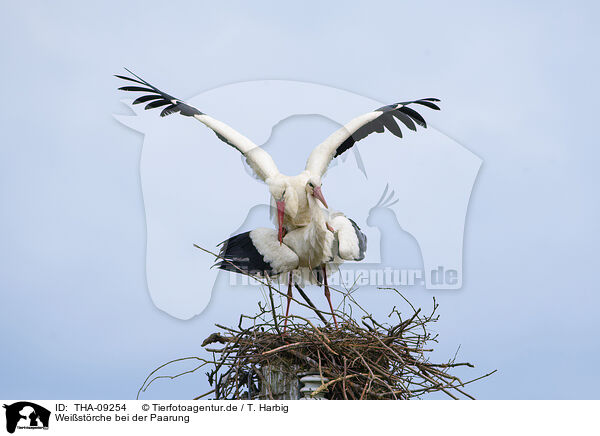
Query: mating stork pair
[[308, 236]]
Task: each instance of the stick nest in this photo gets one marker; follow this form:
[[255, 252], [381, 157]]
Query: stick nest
[[362, 359]]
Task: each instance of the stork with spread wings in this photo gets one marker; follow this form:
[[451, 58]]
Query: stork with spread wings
[[307, 237], [290, 193]]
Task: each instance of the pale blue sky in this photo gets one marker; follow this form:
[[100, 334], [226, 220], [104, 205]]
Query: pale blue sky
[[519, 88]]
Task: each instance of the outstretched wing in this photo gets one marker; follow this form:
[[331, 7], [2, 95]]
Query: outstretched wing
[[360, 127], [259, 160]]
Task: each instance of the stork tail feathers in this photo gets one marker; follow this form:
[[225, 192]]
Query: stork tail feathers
[[238, 254], [257, 252]]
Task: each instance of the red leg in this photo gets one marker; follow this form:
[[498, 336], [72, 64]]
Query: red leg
[[328, 295], [289, 300]]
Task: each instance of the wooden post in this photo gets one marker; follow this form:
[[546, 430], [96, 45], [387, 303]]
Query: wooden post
[[284, 383], [281, 382]]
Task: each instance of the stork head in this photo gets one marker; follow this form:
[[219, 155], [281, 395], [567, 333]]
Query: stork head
[[313, 188], [286, 201]]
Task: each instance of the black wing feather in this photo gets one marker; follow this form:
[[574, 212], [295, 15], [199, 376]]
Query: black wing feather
[[135, 88], [348, 143], [391, 125], [406, 120], [145, 98], [428, 104], [168, 110], [400, 111], [362, 240], [162, 98], [157, 103], [416, 116], [129, 78]]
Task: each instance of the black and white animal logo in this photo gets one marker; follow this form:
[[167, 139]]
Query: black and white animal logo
[[26, 415]]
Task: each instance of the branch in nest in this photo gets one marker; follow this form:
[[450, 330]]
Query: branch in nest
[[370, 360]]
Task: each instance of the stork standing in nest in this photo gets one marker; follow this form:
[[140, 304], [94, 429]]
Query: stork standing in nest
[[307, 236], [327, 240]]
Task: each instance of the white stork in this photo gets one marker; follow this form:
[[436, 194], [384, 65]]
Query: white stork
[[290, 193], [328, 239], [306, 238]]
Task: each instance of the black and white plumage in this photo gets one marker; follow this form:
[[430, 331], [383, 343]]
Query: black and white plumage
[[157, 98], [314, 238], [343, 139], [327, 241], [360, 127], [258, 253], [351, 242], [290, 191], [258, 159]]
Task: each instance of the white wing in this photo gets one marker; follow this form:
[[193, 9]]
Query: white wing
[[259, 160], [352, 242], [362, 126]]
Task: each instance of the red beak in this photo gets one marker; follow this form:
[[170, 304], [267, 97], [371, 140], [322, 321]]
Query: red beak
[[280, 214], [319, 196]]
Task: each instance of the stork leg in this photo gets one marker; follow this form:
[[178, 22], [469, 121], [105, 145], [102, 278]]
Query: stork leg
[[289, 300], [328, 295]]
